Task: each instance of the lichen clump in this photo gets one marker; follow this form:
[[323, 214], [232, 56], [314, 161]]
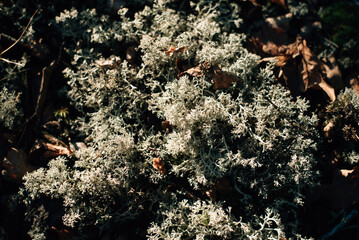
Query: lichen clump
[[252, 133]]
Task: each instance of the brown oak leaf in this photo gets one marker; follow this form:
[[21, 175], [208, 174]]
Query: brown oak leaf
[[221, 79], [173, 50], [301, 69], [159, 165]]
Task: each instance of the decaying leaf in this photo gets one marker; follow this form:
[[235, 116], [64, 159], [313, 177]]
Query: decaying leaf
[[221, 79], [173, 50], [272, 38], [301, 69], [333, 73], [42, 151], [194, 72], [15, 165], [159, 165]]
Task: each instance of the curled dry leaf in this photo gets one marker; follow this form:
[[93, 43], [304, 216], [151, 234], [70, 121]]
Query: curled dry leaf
[[194, 72], [301, 69], [42, 151], [159, 165], [197, 71], [333, 73], [221, 79], [172, 50], [272, 38]]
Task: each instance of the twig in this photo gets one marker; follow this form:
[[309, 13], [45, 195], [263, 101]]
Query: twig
[[7, 36], [9, 76], [8, 61], [344, 221], [27, 26], [45, 79]]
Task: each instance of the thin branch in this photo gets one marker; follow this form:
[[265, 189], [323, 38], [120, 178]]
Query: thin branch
[[8, 61], [27, 26], [344, 221]]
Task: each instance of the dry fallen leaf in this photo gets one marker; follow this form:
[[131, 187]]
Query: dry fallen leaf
[[221, 79], [193, 72], [312, 70], [159, 165], [272, 38], [301, 69], [333, 73], [172, 50], [42, 151]]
